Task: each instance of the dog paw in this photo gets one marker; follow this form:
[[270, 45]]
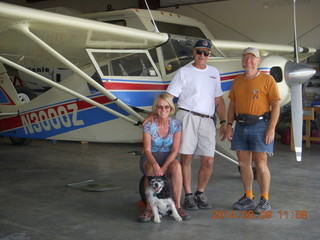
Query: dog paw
[[178, 219], [157, 220]]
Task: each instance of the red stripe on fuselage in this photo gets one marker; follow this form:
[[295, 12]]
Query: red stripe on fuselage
[[134, 86], [15, 122]]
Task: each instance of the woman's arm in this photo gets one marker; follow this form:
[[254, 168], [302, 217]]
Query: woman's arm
[[151, 161]]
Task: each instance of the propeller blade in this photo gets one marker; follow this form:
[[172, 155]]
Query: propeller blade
[[297, 119], [296, 74]]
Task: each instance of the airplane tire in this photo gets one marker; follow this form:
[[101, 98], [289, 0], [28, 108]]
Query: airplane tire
[[141, 189], [25, 95], [20, 141]]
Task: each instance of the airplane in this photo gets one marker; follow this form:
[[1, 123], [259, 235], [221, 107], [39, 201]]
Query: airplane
[[120, 61]]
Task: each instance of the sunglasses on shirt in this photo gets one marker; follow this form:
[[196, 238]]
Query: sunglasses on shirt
[[205, 53]]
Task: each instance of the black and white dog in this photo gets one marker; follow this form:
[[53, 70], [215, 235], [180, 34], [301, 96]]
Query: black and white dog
[[158, 194]]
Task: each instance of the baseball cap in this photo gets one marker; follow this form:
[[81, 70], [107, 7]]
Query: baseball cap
[[251, 50], [202, 44]]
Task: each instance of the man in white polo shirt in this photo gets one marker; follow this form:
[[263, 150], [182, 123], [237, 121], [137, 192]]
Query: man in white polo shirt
[[199, 90]]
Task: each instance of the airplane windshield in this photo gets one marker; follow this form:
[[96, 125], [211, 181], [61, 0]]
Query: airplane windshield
[[178, 52]]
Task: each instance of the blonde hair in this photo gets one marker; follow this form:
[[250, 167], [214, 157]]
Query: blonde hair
[[166, 97]]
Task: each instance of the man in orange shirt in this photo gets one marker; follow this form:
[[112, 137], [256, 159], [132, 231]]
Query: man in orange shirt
[[255, 105]]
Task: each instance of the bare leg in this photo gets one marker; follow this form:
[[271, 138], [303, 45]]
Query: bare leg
[[186, 161], [148, 170], [245, 159], [205, 172], [175, 171], [263, 173]]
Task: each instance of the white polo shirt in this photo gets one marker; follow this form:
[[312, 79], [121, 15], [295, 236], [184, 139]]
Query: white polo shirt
[[196, 88]]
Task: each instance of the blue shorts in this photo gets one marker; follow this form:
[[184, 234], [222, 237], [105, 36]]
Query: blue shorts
[[251, 138]]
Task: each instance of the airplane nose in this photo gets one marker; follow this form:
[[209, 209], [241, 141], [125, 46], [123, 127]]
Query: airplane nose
[[297, 73]]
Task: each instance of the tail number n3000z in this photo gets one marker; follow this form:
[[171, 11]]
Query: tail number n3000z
[[62, 116]]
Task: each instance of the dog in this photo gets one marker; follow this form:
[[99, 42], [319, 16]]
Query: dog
[[158, 193]]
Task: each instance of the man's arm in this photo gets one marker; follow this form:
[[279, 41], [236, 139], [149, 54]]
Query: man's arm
[[231, 112], [275, 112], [221, 111], [220, 108]]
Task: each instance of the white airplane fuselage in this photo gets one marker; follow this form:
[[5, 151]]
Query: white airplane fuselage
[[113, 85]]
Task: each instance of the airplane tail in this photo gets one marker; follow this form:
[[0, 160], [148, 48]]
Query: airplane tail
[[8, 93]]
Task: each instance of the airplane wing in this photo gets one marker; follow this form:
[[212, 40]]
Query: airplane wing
[[235, 48], [64, 34]]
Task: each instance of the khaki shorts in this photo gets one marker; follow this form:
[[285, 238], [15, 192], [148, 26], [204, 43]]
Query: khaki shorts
[[198, 134]]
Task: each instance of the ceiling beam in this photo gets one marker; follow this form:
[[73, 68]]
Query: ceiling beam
[[178, 3]]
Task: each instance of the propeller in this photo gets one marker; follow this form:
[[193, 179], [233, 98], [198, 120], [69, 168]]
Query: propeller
[[296, 74]]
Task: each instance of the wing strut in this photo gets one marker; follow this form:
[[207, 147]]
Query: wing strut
[[65, 89], [24, 28], [226, 157]]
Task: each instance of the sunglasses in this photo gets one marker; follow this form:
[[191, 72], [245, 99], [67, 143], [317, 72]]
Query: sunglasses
[[205, 53], [163, 107]]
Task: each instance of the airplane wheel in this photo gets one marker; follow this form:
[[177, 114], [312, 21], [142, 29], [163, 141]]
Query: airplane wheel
[[254, 170], [20, 141], [25, 96], [24, 93], [141, 189]]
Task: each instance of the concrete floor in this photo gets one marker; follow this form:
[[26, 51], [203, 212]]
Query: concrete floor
[[35, 202]]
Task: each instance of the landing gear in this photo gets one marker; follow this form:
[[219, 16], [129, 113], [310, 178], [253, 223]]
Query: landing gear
[[24, 93], [25, 96], [20, 141]]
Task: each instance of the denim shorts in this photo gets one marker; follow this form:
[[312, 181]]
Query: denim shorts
[[251, 138]]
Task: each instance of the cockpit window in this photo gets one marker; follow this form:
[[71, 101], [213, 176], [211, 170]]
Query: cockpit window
[[123, 63], [276, 72], [135, 64]]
